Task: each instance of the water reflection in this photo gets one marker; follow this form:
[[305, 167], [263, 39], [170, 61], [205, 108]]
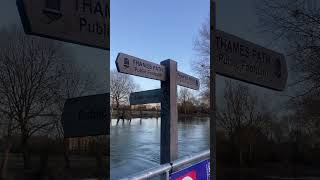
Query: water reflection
[[135, 146]]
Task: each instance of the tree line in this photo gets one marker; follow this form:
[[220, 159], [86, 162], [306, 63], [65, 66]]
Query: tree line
[[122, 85], [37, 75]]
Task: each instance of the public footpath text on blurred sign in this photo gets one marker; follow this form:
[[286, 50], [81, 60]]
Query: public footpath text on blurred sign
[[199, 171]]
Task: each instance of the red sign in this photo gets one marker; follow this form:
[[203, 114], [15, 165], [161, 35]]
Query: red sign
[[189, 176], [200, 171]]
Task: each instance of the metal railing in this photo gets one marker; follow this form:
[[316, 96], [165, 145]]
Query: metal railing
[[169, 167]]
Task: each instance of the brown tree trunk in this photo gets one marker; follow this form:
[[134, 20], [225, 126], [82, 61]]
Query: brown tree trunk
[[5, 159], [118, 112], [25, 152], [234, 150], [239, 148], [250, 155], [4, 163], [240, 157], [98, 156], [99, 159], [66, 153], [24, 147]]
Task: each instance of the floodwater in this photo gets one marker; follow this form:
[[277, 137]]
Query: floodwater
[[135, 146]]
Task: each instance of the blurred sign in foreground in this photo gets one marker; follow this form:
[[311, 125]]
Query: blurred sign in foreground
[[86, 116], [249, 62], [199, 171], [77, 21]]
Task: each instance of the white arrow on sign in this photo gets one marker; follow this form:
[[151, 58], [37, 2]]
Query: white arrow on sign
[[246, 61], [135, 66], [145, 97], [76, 21]]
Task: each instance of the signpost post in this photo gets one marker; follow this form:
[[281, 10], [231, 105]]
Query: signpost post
[[169, 114], [167, 73], [213, 90], [77, 21]]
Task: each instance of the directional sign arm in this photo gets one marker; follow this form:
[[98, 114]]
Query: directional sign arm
[[135, 66], [243, 60], [188, 81], [64, 20], [145, 97]]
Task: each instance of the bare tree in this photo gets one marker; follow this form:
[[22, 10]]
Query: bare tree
[[306, 118], [295, 23], [29, 83], [185, 97], [7, 127], [121, 85], [202, 64], [75, 82], [240, 117], [240, 108]]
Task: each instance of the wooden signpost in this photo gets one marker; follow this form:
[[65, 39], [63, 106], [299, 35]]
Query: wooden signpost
[[167, 73], [77, 21]]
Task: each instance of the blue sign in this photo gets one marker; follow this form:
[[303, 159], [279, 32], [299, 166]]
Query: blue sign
[[199, 171]]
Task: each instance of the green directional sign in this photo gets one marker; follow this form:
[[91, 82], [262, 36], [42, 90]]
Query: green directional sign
[[145, 97]]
